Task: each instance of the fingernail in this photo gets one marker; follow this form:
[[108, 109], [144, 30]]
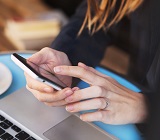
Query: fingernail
[[69, 99], [47, 89], [68, 92], [57, 69], [69, 108]]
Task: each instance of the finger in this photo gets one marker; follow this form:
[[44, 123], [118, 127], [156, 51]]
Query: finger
[[36, 85], [95, 116], [96, 72], [96, 103], [105, 116], [92, 69], [110, 79], [51, 97], [55, 104], [91, 92], [81, 73], [75, 89]]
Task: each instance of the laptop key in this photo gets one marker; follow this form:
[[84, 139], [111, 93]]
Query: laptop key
[[4, 126], [22, 135], [1, 131], [2, 118], [6, 136], [8, 123], [16, 128]]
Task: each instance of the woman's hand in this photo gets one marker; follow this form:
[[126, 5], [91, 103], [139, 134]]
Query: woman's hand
[[48, 58], [115, 103]]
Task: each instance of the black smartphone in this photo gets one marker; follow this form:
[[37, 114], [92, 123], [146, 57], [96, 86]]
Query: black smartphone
[[38, 72]]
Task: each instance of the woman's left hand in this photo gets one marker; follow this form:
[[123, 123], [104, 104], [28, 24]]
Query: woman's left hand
[[115, 103]]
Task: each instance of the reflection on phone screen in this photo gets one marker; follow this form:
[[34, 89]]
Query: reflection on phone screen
[[46, 74]]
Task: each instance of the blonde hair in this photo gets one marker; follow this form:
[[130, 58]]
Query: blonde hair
[[99, 11]]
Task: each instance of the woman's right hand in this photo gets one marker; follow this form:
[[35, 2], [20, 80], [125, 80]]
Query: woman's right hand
[[48, 58]]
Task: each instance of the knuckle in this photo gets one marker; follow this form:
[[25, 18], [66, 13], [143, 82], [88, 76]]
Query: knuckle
[[45, 49], [81, 72], [30, 85], [57, 96], [49, 104], [99, 90]]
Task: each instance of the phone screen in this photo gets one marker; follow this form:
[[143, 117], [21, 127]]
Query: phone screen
[[41, 72]]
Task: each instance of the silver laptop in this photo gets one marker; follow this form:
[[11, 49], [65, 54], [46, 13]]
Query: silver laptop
[[23, 117]]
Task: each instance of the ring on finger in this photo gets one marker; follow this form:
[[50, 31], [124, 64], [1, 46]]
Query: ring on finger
[[107, 104]]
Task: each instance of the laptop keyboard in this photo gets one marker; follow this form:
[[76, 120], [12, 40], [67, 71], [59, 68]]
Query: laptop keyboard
[[9, 131]]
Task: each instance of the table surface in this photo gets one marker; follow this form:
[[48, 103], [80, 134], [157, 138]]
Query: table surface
[[18, 79], [123, 132]]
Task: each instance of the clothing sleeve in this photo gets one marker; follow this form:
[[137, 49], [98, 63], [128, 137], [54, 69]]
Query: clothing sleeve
[[85, 48], [153, 78], [153, 123]]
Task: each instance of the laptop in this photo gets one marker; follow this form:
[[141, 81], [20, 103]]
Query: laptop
[[23, 117]]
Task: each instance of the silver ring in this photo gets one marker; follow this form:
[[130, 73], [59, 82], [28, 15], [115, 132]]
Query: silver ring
[[107, 104]]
